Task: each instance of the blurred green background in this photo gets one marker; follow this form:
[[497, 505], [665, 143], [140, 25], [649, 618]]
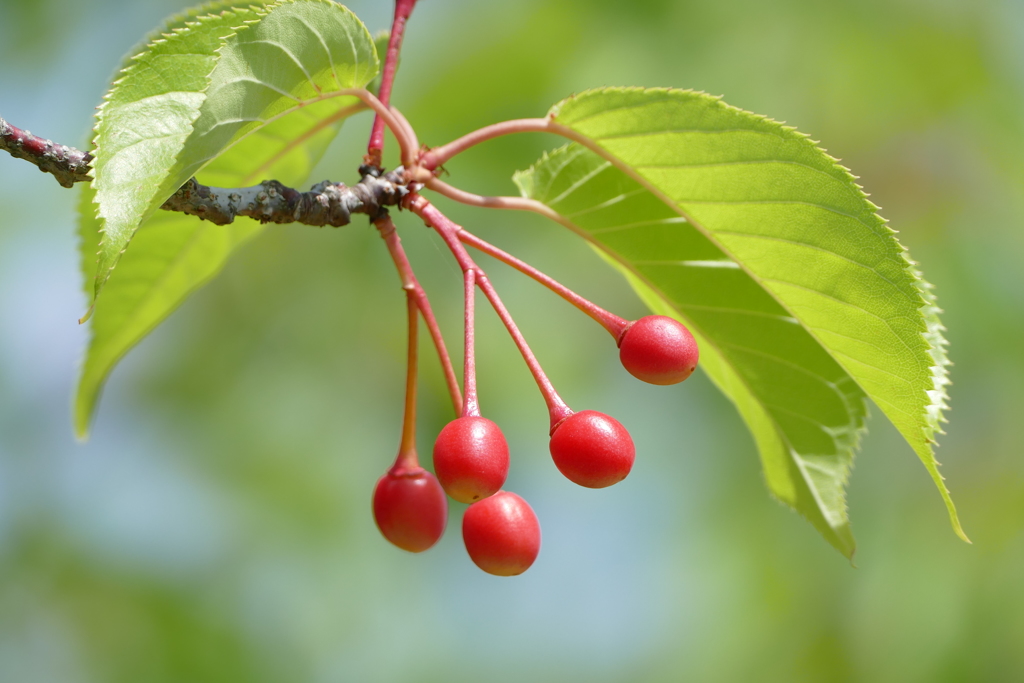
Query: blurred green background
[[217, 525]]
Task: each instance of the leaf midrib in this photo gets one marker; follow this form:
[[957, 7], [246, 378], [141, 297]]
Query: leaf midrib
[[591, 144], [807, 245]]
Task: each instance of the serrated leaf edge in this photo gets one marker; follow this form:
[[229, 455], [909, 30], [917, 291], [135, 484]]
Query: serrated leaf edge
[[159, 37], [932, 328]]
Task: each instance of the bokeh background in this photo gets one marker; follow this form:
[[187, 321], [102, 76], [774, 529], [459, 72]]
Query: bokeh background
[[216, 527]]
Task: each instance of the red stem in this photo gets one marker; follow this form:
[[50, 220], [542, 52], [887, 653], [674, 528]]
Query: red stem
[[437, 156], [512, 203], [407, 449], [611, 322], [410, 135], [557, 408], [470, 404], [412, 286], [403, 8]]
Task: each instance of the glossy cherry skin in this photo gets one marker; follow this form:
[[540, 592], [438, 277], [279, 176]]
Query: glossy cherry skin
[[659, 350], [592, 449], [502, 534], [410, 508], [471, 458]]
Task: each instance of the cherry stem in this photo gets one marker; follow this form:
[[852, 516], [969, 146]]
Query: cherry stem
[[470, 402], [611, 322], [615, 325], [410, 133], [431, 159], [557, 408], [514, 203], [403, 9], [412, 287], [406, 142], [407, 449]]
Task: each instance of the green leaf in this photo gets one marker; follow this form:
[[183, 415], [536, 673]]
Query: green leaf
[[291, 63], [189, 16], [172, 255], [803, 410], [801, 297], [144, 122], [213, 85]]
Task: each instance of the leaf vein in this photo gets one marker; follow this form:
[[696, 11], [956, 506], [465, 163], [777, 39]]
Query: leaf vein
[[819, 248], [597, 170], [605, 204]]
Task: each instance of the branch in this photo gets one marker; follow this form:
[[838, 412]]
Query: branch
[[326, 203], [67, 164], [269, 202], [70, 165]]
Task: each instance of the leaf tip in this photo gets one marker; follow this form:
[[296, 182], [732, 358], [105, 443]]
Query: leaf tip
[[81, 433], [88, 314], [80, 419]]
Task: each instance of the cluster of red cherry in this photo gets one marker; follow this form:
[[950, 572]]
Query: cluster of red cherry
[[471, 456]]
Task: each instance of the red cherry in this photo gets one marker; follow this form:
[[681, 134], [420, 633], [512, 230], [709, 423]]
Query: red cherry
[[592, 449], [471, 458], [502, 534], [410, 508], [659, 350]]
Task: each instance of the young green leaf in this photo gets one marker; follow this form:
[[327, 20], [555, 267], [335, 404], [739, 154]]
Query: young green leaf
[[802, 297], [144, 122], [171, 255]]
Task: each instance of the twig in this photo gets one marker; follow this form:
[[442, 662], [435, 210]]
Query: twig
[[70, 165], [271, 202], [67, 164]]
